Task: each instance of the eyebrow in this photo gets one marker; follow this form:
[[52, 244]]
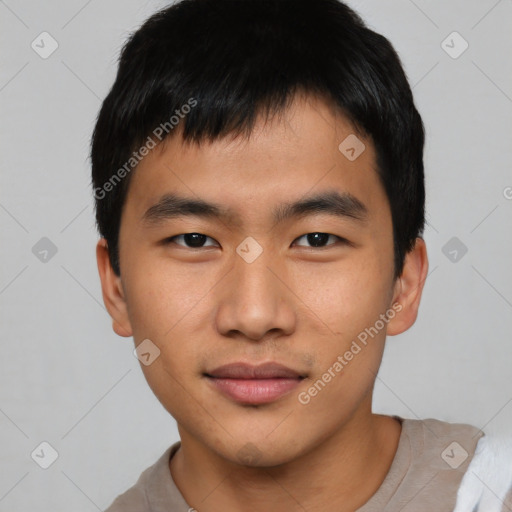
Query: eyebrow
[[331, 202]]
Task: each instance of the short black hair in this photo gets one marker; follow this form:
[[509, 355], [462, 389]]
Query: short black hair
[[228, 61]]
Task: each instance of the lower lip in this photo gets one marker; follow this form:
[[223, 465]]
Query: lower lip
[[254, 391]]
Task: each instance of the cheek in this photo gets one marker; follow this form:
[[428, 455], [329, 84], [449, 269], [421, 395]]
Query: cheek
[[350, 351], [161, 295], [172, 308], [346, 297], [165, 307]]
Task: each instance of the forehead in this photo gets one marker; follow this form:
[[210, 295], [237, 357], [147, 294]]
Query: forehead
[[309, 148]]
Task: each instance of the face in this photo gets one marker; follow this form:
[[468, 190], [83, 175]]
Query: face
[[254, 279]]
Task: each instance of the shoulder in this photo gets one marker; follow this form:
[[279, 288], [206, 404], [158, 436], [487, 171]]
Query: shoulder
[[431, 460], [136, 498], [487, 484], [437, 429], [446, 445], [481, 461], [132, 500]]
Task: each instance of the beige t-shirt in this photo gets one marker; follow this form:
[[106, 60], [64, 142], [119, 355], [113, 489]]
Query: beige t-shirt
[[425, 474]]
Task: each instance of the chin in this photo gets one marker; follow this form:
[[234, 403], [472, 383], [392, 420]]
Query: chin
[[259, 453]]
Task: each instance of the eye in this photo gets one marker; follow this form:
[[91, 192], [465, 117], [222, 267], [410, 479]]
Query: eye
[[320, 239], [192, 240]]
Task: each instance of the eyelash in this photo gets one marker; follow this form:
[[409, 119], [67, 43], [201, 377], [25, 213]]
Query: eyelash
[[340, 239]]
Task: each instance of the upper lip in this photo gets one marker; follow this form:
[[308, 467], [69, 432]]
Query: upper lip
[[270, 370]]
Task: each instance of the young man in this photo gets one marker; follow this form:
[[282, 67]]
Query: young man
[[258, 175]]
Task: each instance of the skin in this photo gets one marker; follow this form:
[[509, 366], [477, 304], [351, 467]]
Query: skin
[[295, 304]]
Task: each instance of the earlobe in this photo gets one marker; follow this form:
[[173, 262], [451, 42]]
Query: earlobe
[[112, 291], [408, 288]]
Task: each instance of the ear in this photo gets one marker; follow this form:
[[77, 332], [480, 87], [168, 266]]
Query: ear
[[112, 290], [408, 289]]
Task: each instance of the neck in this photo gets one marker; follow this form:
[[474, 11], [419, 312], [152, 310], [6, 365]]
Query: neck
[[340, 474]]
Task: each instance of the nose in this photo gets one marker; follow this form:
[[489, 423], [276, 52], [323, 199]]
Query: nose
[[256, 300]]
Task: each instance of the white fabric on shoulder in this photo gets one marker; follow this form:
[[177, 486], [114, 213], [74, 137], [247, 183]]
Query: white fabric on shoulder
[[488, 477]]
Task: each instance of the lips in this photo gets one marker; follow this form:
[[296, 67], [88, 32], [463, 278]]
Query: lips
[[249, 384], [247, 371]]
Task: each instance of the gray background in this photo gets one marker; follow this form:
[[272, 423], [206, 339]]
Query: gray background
[[67, 379]]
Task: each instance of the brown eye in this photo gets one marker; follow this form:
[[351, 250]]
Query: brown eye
[[191, 240], [318, 239]]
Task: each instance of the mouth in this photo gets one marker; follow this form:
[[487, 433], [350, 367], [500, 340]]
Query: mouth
[[247, 384]]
